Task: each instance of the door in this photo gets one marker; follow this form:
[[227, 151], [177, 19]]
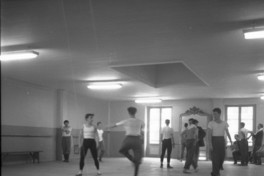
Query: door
[[155, 122]]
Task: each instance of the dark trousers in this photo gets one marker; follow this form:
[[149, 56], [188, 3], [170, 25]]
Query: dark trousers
[[190, 146], [183, 147], [236, 155], [255, 157], [133, 143], [166, 145], [244, 151], [66, 147], [218, 153], [196, 155], [89, 144]]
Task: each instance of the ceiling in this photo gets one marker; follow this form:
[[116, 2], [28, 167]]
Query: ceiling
[[171, 49]]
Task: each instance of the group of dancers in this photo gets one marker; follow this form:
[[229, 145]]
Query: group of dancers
[[90, 134], [134, 129]]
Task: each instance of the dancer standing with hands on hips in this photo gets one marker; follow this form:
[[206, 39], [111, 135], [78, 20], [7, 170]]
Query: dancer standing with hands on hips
[[88, 136]]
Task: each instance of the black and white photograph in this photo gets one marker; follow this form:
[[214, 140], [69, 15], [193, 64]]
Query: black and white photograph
[[132, 87]]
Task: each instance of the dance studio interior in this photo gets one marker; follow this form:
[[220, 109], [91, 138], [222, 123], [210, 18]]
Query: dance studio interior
[[170, 59]]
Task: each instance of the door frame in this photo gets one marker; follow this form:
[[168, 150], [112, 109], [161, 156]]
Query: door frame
[[148, 131]]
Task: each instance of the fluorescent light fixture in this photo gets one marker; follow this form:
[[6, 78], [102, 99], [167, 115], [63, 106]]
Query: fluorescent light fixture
[[19, 55], [148, 100], [261, 77], [262, 97], [102, 78], [104, 86], [255, 33]]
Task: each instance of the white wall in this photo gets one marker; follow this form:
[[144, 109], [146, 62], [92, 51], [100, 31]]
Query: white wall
[[30, 118], [77, 106], [32, 109], [25, 104]]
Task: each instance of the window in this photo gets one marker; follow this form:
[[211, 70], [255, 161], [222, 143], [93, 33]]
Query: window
[[237, 114], [157, 117]]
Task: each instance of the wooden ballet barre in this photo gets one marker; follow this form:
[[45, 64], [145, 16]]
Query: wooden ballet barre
[[33, 154]]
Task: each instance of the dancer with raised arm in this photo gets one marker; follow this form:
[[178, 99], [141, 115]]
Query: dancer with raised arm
[[134, 134]]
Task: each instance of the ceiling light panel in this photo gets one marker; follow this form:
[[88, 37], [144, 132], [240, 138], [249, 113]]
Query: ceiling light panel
[[261, 77], [256, 33], [104, 86], [148, 100], [21, 55]]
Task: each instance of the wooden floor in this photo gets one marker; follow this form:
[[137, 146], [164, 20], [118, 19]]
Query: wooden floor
[[122, 167]]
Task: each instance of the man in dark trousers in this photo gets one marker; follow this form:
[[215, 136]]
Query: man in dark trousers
[[183, 140], [167, 141], [216, 141], [243, 132], [257, 138], [200, 142], [191, 141]]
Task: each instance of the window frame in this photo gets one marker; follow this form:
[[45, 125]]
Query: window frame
[[239, 116], [148, 119]]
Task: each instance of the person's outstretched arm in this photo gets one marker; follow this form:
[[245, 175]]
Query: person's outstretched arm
[[209, 138], [114, 125], [110, 127], [228, 135], [80, 137]]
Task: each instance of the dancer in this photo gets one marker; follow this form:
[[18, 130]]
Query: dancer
[[183, 140], [200, 142], [235, 149], [134, 133], [88, 135], [243, 132], [191, 141], [66, 140], [167, 141], [257, 138], [100, 148], [216, 141]]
